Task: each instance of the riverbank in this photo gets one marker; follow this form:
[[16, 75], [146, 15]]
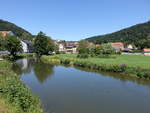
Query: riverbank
[[135, 65], [15, 97]]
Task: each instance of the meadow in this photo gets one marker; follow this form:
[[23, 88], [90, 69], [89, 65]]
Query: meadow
[[130, 60], [133, 65]]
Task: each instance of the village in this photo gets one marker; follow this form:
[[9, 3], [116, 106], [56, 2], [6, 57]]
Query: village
[[75, 56], [70, 47]]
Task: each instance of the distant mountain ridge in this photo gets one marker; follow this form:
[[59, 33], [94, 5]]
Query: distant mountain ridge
[[18, 31], [130, 35]]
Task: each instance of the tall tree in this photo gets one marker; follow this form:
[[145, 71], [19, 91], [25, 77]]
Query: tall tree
[[2, 42], [13, 45], [43, 44], [83, 47]]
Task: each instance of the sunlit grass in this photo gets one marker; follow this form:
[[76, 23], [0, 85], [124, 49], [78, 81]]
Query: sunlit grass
[[130, 60]]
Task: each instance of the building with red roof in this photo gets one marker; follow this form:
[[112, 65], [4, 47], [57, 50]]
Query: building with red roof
[[118, 46], [146, 51]]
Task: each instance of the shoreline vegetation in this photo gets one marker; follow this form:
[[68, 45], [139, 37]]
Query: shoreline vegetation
[[131, 65], [15, 97]]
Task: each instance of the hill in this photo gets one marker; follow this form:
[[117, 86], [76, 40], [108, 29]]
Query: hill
[[18, 31], [131, 35]]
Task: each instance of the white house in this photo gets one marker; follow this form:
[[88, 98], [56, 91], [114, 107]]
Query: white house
[[62, 48], [24, 47], [130, 46]]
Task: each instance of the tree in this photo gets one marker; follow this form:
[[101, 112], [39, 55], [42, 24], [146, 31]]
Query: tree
[[13, 45], [83, 47], [145, 43], [107, 49], [43, 44], [104, 49], [2, 43]]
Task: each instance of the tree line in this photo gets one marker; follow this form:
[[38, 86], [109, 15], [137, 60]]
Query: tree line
[[42, 44]]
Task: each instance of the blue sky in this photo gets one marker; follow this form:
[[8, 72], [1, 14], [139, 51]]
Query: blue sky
[[74, 19]]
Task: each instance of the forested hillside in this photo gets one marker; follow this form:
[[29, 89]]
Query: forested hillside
[[18, 31], [136, 35]]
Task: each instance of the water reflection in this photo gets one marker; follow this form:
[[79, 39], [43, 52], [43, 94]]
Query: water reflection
[[41, 70], [81, 90], [121, 77]]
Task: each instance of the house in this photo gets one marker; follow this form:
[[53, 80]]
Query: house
[[71, 46], [27, 46], [5, 33], [61, 47], [118, 46], [67, 46], [130, 47], [146, 51]]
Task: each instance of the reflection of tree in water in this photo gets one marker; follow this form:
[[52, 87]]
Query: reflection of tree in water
[[43, 71], [23, 66]]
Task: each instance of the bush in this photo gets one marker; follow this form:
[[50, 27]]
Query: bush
[[65, 61], [82, 56], [146, 75], [17, 94]]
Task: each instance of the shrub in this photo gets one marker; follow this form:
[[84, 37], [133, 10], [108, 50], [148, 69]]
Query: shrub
[[17, 94], [82, 55], [65, 61], [146, 75]]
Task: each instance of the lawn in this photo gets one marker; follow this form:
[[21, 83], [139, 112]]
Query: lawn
[[130, 60]]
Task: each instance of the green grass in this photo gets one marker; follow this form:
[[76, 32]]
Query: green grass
[[133, 65], [15, 97], [130, 60]]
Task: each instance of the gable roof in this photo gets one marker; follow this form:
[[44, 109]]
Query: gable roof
[[146, 50], [117, 44]]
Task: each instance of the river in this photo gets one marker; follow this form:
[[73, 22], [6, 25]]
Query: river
[[70, 90]]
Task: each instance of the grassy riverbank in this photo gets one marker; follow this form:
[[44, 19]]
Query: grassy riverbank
[[15, 97], [133, 65]]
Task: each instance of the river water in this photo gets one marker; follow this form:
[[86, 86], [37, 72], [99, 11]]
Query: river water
[[70, 90]]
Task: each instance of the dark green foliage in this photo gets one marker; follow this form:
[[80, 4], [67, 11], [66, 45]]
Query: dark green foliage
[[43, 44], [144, 75], [2, 44], [82, 55], [105, 49], [18, 31], [13, 45], [83, 47], [83, 50], [131, 35], [65, 61], [145, 43]]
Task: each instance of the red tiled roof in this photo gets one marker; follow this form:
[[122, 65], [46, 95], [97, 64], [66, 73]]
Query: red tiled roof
[[146, 50], [118, 44]]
